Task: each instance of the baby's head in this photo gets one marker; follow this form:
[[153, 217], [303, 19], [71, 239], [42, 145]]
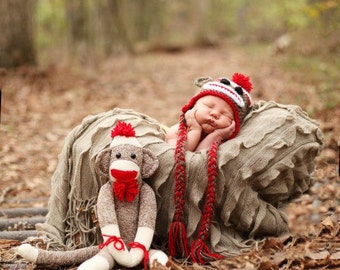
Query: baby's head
[[234, 92]]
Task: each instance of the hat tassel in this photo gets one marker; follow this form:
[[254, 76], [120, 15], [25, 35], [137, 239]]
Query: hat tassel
[[200, 252], [177, 240]]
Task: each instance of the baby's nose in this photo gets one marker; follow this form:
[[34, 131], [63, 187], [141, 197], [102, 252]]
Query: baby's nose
[[214, 114]]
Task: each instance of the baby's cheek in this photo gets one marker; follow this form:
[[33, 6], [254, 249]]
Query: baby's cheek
[[228, 122]]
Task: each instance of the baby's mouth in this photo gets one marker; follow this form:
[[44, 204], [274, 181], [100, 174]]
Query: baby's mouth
[[211, 122]]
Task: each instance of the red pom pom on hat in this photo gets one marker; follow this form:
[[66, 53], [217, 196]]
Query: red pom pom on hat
[[243, 81], [123, 129]]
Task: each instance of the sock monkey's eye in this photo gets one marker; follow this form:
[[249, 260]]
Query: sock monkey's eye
[[225, 81], [118, 155], [239, 90], [133, 156]]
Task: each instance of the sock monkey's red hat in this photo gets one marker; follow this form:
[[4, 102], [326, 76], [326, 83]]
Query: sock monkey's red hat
[[123, 133]]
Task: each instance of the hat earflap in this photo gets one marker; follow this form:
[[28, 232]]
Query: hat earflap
[[202, 80]]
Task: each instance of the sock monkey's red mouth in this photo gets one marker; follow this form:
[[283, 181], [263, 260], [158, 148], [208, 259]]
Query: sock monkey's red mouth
[[121, 175], [125, 186]]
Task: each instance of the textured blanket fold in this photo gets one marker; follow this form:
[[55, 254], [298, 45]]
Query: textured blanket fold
[[266, 165]]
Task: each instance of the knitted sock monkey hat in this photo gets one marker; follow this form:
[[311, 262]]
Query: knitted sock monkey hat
[[236, 93]]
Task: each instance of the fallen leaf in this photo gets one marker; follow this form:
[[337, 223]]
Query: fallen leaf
[[272, 244], [316, 255], [328, 222], [267, 265], [279, 258], [335, 256]]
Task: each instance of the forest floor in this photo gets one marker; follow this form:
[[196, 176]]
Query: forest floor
[[41, 105]]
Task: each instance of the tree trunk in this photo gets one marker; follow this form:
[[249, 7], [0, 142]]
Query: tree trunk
[[116, 12], [76, 14], [16, 38]]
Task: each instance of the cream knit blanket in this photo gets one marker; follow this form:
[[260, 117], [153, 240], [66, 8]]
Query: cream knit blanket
[[266, 165]]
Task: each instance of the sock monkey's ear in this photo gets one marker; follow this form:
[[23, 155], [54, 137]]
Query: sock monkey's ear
[[102, 162], [202, 80], [150, 163]]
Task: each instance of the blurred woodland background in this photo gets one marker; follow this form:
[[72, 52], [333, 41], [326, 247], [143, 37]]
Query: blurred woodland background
[[30, 29], [61, 60]]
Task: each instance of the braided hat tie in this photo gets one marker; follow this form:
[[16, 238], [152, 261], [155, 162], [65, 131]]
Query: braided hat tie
[[177, 237], [200, 253]]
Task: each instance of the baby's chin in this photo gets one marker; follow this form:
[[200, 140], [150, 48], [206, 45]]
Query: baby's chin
[[207, 129]]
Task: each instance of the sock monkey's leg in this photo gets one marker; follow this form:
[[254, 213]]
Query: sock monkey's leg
[[40, 256], [158, 255], [66, 257]]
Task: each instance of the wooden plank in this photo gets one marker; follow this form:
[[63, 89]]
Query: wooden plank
[[5, 223], [17, 235], [20, 212]]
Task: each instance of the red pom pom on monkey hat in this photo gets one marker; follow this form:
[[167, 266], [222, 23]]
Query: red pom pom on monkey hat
[[236, 92], [123, 133]]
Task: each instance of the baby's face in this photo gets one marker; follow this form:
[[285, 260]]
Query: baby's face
[[213, 113]]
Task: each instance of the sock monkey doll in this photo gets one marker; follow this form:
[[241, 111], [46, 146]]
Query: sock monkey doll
[[126, 208]]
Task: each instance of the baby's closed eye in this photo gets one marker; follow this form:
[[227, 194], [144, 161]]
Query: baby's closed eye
[[209, 105]]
